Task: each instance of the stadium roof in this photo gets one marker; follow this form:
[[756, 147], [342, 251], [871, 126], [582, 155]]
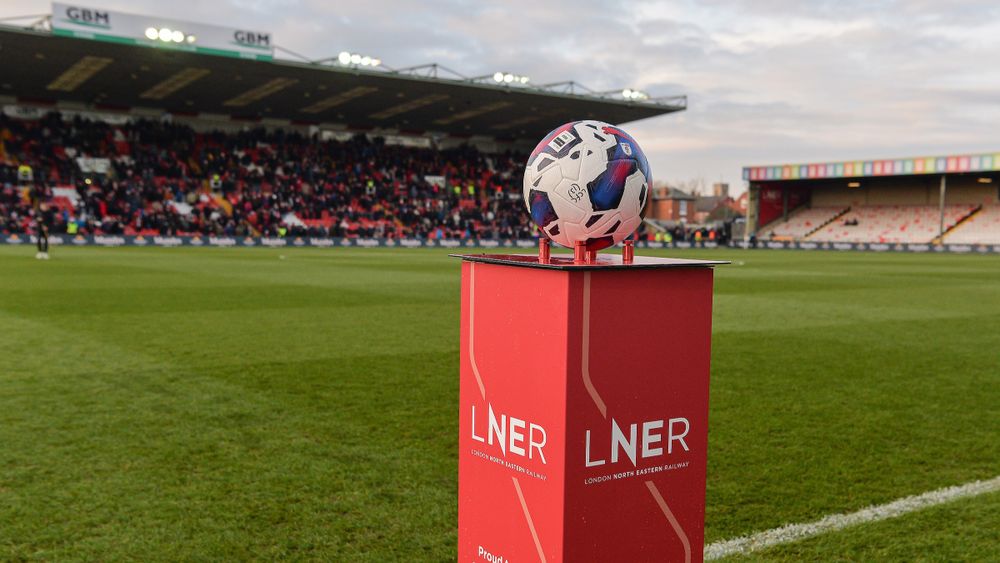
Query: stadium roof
[[951, 164], [37, 66]]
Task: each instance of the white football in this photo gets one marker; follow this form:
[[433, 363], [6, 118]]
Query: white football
[[587, 181]]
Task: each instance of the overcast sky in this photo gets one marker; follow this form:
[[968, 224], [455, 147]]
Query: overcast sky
[[768, 81]]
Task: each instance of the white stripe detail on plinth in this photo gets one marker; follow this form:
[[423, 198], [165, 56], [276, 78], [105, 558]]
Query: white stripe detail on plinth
[[585, 345], [527, 516], [672, 519], [472, 328]]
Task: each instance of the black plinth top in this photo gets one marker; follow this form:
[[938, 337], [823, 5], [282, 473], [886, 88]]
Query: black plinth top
[[603, 262]]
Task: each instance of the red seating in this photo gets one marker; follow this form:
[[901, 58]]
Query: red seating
[[799, 223], [891, 224]]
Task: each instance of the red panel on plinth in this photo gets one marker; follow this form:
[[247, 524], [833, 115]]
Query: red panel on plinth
[[583, 410]]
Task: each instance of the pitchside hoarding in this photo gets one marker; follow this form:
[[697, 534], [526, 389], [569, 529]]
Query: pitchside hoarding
[[105, 25], [322, 242]]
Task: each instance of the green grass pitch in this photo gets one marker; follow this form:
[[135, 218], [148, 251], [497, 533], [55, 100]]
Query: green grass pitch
[[227, 404]]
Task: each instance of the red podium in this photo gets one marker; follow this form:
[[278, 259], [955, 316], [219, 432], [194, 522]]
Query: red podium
[[583, 408]]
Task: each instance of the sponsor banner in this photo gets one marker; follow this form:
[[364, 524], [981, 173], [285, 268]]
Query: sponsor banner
[[169, 241], [869, 246], [321, 242], [109, 240], [273, 242], [70, 20], [54, 240], [222, 241]]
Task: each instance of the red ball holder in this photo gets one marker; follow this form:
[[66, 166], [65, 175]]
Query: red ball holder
[[583, 422]]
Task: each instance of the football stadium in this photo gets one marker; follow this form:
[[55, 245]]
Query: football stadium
[[232, 325]]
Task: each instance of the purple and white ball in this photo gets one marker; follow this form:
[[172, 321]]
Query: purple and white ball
[[587, 181]]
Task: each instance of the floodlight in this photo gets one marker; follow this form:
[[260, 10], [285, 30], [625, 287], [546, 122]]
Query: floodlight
[[347, 58], [177, 36], [152, 33], [630, 94], [165, 34], [498, 76], [508, 77]]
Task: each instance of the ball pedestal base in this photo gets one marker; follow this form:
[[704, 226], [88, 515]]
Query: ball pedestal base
[[583, 408]]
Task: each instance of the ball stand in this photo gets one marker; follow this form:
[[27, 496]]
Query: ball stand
[[583, 406], [580, 253]]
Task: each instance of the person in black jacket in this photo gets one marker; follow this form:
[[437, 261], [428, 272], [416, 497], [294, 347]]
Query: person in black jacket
[[43, 221]]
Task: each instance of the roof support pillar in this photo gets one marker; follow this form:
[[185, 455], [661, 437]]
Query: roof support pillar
[[944, 189]]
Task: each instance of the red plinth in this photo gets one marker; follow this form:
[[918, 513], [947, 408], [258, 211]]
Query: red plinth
[[583, 409]]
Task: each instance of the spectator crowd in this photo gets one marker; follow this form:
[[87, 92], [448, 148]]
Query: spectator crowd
[[157, 177]]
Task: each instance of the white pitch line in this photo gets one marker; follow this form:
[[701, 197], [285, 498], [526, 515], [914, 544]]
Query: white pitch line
[[795, 532]]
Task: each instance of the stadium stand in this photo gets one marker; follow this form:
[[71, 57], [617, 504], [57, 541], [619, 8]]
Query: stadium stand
[[801, 223], [982, 227], [947, 199], [891, 223], [281, 161], [170, 179]]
